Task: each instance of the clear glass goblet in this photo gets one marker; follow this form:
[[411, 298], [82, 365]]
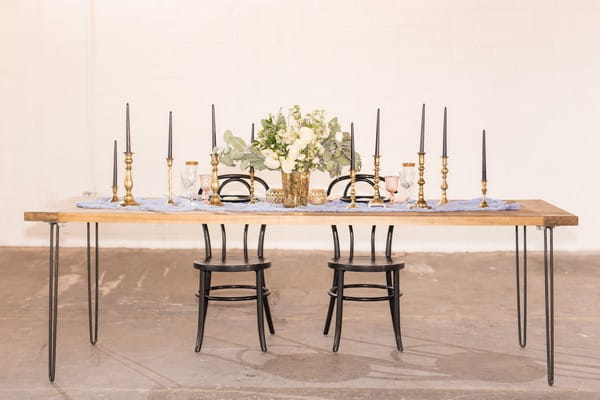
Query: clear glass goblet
[[407, 178], [391, 185], [205, 182], [187, 182]]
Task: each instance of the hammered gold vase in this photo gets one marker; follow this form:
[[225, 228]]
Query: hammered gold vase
[[295, 188]]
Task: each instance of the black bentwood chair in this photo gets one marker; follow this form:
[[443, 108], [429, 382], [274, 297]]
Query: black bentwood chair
[[244, 181], [235, 263], [370, 263]]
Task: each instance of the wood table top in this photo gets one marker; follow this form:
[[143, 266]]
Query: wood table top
[[531, 213]]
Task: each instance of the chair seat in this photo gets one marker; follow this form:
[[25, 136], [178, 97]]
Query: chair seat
[[233, 264], [366, 264]]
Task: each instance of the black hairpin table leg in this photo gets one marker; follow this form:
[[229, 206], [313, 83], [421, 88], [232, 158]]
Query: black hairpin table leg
[[521, 315], [53, 298], [549, 295], [93, 326]]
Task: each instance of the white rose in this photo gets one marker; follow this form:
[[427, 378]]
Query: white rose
[[271, 163], [288, 164], [339, 136], [306, 135]]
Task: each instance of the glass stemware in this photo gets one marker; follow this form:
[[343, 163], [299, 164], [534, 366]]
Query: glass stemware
[[188, 178], [407, 178], [205, 186], [391, 185]]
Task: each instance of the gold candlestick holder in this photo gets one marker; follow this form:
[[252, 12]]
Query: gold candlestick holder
[[377, 201], [352, 189], [215, 199], [421, 203], [170, 179], [483, 193], [444, 199], [252, 201], [128, 200], [115, 198]]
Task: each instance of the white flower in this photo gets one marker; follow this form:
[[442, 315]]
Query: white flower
[[339, 136], [271, 163], [288, 164], [306, 135]]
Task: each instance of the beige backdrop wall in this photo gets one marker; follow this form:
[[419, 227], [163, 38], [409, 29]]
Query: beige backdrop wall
[[525, 71]]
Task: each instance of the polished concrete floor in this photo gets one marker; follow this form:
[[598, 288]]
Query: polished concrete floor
[[458, 321]]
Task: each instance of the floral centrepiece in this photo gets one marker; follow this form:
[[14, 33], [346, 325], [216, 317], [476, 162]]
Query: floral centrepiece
[[296, 143]]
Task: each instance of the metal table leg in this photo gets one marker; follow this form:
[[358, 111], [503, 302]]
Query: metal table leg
[[549, 296], [52, 298], [93, 326], [521, 315]]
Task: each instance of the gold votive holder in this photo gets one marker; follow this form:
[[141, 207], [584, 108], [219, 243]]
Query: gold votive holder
[[317, 197], [274, 196]]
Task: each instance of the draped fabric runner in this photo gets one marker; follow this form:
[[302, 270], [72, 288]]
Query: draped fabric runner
[[182, 205]]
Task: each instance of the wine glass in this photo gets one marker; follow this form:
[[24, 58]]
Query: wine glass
[[407, 178], [391, 185], [205, 186]]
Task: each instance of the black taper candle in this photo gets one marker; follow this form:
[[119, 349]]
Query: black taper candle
[[127, 130], [445, 137], [214, 128], [115, 165], [252, 135], [352, 157], [422, 146], [483, 159], [170, 152], [377, 135]]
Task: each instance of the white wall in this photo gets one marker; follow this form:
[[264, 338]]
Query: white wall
[[525, 71]]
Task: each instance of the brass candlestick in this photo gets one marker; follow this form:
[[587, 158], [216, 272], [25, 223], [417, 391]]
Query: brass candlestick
[[215, 199], [421, 203], [170, 179], [252, 201], [376, 201], [352, 189], [444, 199], [483, 192], [115, 198], [128, 200]]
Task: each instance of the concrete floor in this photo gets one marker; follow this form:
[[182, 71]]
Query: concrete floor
[[458, 319]]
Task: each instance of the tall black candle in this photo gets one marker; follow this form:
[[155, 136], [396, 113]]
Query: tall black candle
[[115, 165], [127, 130], [170, 152], [377, 135], [422, 146], [445, 137], [252, 135], [214, 128], [352, 157], [483, 159]]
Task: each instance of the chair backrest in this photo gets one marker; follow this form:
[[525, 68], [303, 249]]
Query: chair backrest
[[208, 246], [369, 179], [366, 178], [244, 179]]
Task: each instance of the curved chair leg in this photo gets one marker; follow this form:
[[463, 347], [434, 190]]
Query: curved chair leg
[[388, 280], [260, 311], [331, 306], [396, 319], [338, 315], [267, 308], [202, 305], [208, 275], [92, 316]]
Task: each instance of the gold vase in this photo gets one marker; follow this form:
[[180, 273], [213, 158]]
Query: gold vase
[[295, 188]]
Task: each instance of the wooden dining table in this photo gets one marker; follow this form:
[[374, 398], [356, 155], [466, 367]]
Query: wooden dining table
[[537, 213]]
